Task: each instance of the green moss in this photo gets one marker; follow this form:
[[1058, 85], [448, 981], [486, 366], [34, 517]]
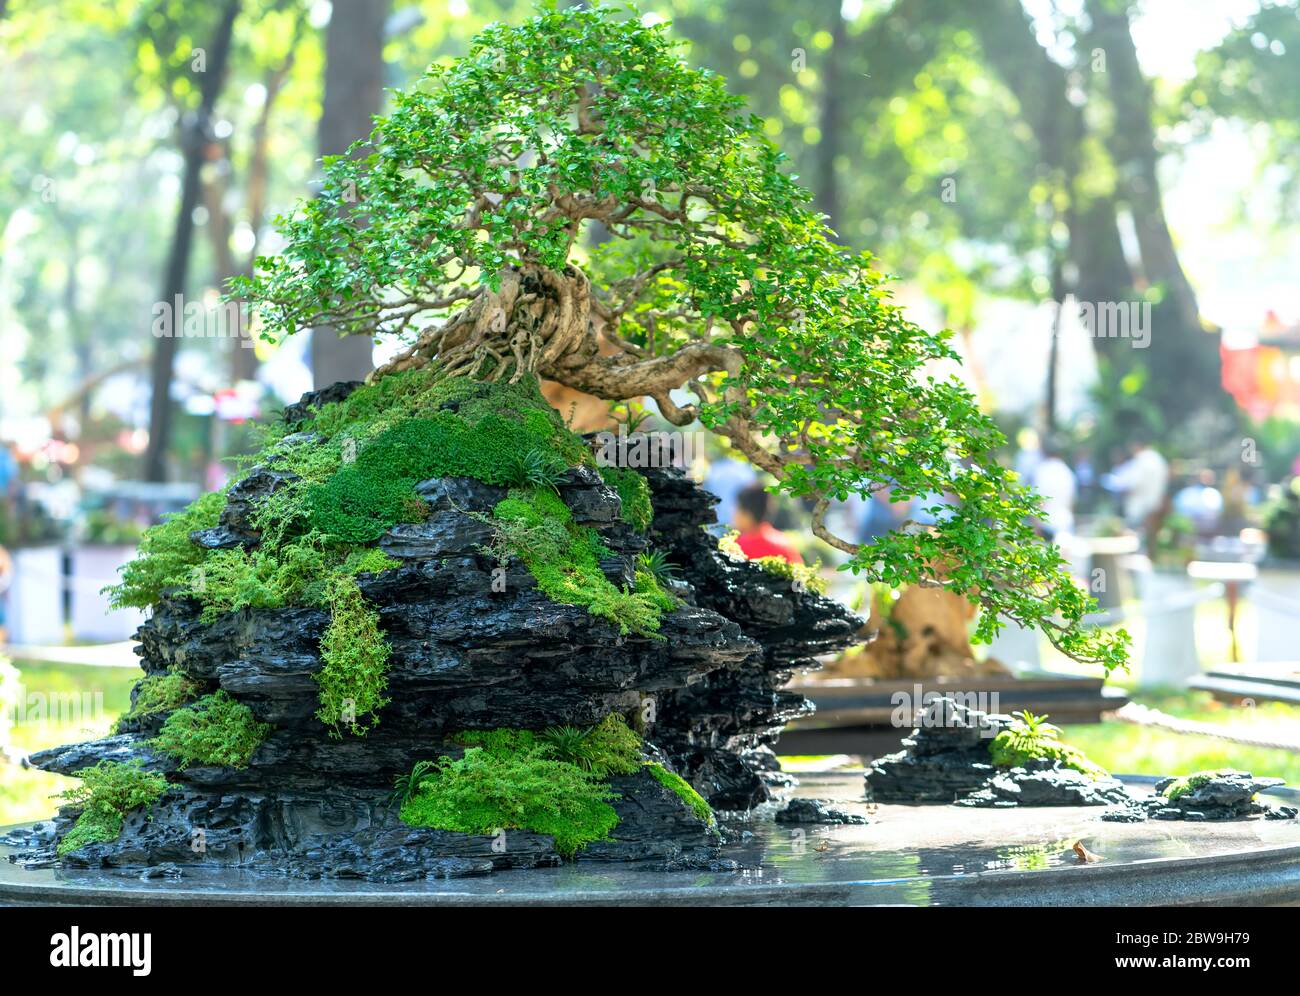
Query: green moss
[[683, 788], [166, 555], [358, 504], [420, 394], [93, 826], [564, 559], [227, 580], [418, 429], [1190, 783], [1012, 749], [215, 730], [647, 588], [553, 782], [156, 694], [354, 661], [368, 560], [298, 573], [485, 791], [805, 577], [106, 793], [634, 492]]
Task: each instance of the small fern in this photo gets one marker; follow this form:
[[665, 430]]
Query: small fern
[[657, 565], [1037, 726], [569, 744], [539, 469], [632, 417], [407, 785]]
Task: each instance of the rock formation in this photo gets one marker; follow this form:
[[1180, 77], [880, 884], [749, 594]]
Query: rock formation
[[1206, 795], [948, 759], [818, 811], [470, 651]]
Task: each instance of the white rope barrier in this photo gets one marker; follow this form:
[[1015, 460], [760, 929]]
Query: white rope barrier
[[1140, 715]]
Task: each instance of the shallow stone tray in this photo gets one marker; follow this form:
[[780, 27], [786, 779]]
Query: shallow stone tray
[[909, 855]]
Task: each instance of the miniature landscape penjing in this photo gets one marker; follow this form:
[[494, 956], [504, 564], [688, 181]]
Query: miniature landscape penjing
[[430, 631]]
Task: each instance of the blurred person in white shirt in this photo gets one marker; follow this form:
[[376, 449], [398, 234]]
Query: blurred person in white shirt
[[1142, 479], [1055, 482]]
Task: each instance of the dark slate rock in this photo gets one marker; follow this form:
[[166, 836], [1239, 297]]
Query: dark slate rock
[[589, 498], [220, 538], [442, 534], [714, 728], [236, 522], [1046, 786], [946, 759], [456, 494], [815, 811], [1228, 795], [1124, 814], [305, 407]]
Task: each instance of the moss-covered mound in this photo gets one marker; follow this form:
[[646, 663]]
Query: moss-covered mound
[[347, 472], [1031, 738], [524, 600], [553, 782]]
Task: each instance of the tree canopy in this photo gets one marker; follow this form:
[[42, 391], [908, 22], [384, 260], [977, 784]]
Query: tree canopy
[[460, 231]]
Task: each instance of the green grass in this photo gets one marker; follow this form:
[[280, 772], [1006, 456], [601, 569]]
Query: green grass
[[1127, 749], [65, 703]]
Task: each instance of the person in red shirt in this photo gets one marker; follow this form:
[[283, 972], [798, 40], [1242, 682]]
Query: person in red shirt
[[758, 537]]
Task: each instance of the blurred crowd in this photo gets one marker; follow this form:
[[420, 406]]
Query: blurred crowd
[[1141, 493]]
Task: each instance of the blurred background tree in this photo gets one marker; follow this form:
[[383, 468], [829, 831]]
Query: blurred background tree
[[1003, 159]]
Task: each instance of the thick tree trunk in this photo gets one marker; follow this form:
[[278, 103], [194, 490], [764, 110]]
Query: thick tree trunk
[[1185, 355], [1188, 355], [195, 134], [354, 80]]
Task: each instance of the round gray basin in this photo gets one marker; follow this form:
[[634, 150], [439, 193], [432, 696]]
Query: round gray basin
[[908, 855]]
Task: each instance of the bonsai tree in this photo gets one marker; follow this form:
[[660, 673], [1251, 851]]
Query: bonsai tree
[[715, 289]]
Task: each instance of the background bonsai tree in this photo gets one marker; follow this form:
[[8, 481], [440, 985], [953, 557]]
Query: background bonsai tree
[[460, 228]]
